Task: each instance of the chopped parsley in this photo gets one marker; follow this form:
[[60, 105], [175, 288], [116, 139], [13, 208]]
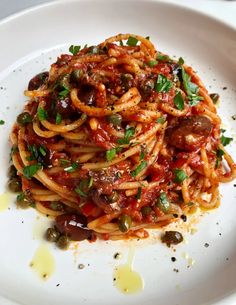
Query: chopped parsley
[[162, 57], [180, 175], [219, 155], [42, 150], [42, 114], [138, 195], [163, 84], [90, 183], [139, 168], [64, 93], [80, 192], [152, 63], [179, 101], [180, 61], [64, 162], [110, 154], [74, 49], [129, 132], [132, 41], [2, 122], [71, 168], [58, 118], [191, 89], [31, 170], [142, 153], [225, 140]]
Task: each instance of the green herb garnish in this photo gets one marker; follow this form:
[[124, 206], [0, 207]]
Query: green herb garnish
[[31, 170], [225, 140], [152, 63], [42, 150], [74, 49], [132, 41], [219, 155], [180, 175], [162, 57], [180, 61], [71, 168], [58, 118], [161, 120], [138, 195], [163, 84], [64, 93], [163, 203], [42, 114], [129, 132], [179, 101], [110, 154], [2, 122], [191, 89], [138, 169]]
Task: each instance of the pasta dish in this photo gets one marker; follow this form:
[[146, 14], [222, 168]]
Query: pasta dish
[[116, 139]]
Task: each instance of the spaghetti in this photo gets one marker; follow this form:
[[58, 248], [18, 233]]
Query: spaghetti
[[119, 138]]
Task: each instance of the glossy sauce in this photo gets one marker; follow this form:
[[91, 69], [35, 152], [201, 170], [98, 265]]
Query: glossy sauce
[[4, 201], [43, 262], [126, 279]]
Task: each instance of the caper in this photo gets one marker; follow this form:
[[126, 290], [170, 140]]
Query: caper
[[14, 185], [124, 223], [172, 237], [23, 200], [52, 234], [24, 118], [56, 206], [115, 119], [215, 97], [146, 211], [127, 80], [76, 75], [113, 197], [64, 82], [63, 242], [12, 172]]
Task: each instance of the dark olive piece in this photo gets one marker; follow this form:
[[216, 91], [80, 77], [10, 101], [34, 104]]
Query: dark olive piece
[[24, 118], [124, 223], [115, 119], [12, 172], [63, 242], [146, 211], [38, 80], [172, 238], [215, 97], [52, 234], [14, 185]]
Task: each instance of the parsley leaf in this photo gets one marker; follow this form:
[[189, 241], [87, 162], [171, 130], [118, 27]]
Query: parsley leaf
[[110, 154], [58, 118], [191, 89], [152, 63], [64, 93], [42, 150], [225, 140], [2, 122], [163, 84], [180, 61], [139, 168], [219, 155], [180, 175], [142, 153], [80, 192], [74, 49], [162, 57], [138, 195], [128, 134], [132, 41], [71, 168], [42, 114], [179, 101], [31, 170], [64, 162]]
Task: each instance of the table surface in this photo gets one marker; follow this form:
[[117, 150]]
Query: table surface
[[220, 9]]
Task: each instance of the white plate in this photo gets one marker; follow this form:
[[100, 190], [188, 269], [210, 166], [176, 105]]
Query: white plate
[[30, 41]]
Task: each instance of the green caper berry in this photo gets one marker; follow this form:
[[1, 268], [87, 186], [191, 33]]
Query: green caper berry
[[14, 185], [63, 242], [52, 234], [23, 201], [113, 197], [124, 223], [24, 118], [12, 172], [146, 211], [215, 97], [76, 75], [115, 119]]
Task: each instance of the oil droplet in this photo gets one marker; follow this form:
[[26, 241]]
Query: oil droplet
[[4, 201], [43, 262], [126, 279]]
